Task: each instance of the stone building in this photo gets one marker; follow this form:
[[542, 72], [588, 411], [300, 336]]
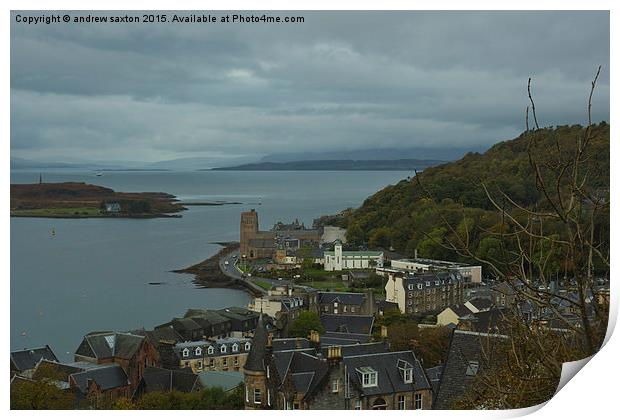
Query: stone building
[[303, 374], [132, 353], [423, 292], [255, 243], [222, 355]]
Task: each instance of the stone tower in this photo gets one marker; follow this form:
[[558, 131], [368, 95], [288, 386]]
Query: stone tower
[[257, 395], [248, 230]]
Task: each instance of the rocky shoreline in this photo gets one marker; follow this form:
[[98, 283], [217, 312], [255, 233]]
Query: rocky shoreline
[[207, 273]]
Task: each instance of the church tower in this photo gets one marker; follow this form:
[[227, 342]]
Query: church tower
[[248, 230], [256, 370]]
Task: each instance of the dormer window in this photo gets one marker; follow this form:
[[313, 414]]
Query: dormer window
[[420, 286], [198, 351], [223, 348], [406, 371], [185, 352], [472, 368], [428, 283], [235, 347], [368, 376], [210, 350], [411, 287], [247, 346]]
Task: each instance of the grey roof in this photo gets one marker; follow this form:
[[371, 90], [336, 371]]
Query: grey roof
[[389, 376], [216, 345], [104, 345], [28, 358], [466, 348], [224, 380], [357, 349], [239, 314], [460, 310], [158, 379], [282, 344], [481, 303], [106, 377], [256, 357], [302, 381], [353, 324], [434, 376], [488, 321], [341, 297], [431, 279], [338, 338]]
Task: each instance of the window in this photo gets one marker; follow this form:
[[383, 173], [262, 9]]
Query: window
[[358, 404], [267, 371], [235, 347], [247, 394], [428, 283], [212, 362], [406, 370], [410, 287], [335, 386], [379, 404], [223, 348], [257, 396], [210, 350], [472, 368], [236, 361], [224, 361], [368, 376], [417, 401], [420, 286], [408, 376], [200, 364], [198, 351], [401, 402], [268, 397], [247, 346], [352, 309], [185, 352], [296, 406]]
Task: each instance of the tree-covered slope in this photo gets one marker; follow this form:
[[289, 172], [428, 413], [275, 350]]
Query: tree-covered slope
[[412, 214]]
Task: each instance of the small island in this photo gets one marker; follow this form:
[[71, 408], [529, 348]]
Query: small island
[[81, 200]]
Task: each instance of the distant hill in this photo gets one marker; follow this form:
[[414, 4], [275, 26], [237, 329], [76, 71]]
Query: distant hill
[[336, 165], [401, 217], [386, 153]]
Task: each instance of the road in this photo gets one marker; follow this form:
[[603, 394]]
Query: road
[[231, 270]]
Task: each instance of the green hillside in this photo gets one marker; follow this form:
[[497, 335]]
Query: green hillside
[[404, 218]]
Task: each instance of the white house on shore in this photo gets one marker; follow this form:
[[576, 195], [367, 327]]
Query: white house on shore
[[338, 260]]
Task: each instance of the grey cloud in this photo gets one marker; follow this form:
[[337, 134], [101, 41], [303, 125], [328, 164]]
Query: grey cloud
[[341, 80]]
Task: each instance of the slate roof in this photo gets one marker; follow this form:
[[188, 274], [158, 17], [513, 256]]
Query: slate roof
[[158, 379], [64, 370], [341, 297], [353, 324], [307, 372], [106, 376], [336, 338], [282, 344], [431, 279], [225, 380], [104, 345], [256, 358], [481, 303], [434, 376], [358, 349], [27, 359], [389, 376], [460, 310], [466, 347], [217, 345], [487, 321]]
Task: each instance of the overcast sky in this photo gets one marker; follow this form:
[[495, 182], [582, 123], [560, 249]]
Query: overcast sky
[[340, 80]]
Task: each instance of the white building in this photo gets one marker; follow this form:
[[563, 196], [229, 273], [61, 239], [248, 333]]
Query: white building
[[470, 273], [338, 260]]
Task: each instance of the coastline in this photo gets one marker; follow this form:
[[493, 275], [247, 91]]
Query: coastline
[[207, 273]]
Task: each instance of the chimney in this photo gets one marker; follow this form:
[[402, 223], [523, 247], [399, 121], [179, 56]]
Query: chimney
[[334, 353], [298, 343], [384, 332], [315, 337]]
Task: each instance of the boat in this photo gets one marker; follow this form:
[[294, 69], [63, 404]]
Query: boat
[[99, 174]]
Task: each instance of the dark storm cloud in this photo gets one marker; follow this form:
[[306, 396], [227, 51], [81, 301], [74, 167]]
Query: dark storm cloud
[[342, 80]]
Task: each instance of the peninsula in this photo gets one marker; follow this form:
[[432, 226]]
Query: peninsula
[[81, 200]]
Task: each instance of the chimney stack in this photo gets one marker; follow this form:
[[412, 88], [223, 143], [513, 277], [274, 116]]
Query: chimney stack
[[384, 331], [270, 340], [334, 353], [315, 337]]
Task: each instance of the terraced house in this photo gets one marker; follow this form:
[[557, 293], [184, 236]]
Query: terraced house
[[423, 292], [308, 375], [228, 354]]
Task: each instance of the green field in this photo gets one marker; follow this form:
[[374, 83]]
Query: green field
[[60, 212], [264, 284]]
